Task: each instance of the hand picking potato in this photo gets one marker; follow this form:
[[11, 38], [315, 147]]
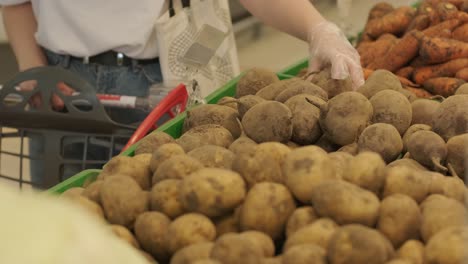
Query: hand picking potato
[[150, 230], [440, 212], [163, 153], [176, 167], [304, 168], [355, 244], [152, 142], [192, 253], [266, 208], [318, 233], [123, 165], [333, 87], [189, 229], [413, 251], [399, 219], [304, 254], [164, 198], [122, 200], [345, 203], [212, 192], [236, 249], [448, 246], [300, 218], [366, 170]]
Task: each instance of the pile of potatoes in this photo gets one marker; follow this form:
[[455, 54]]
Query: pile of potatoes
[[296, 171]]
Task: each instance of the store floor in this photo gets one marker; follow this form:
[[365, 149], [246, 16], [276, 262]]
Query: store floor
[[270, 49]]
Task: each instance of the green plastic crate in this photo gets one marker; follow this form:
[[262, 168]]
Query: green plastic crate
[[173, 127]]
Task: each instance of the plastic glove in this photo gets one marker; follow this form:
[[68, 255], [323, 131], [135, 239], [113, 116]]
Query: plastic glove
[[37, 228], [329, 46]]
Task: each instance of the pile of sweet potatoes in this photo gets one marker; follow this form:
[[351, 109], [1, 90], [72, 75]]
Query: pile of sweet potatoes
[[427, 46]]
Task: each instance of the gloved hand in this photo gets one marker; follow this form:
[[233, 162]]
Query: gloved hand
[[329, 46]]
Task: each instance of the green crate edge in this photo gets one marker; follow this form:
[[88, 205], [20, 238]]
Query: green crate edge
[[173, 127]]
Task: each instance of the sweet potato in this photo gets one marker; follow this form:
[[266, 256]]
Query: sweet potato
[[439, 50], [400, 54], [373, 50], [394, 22], [446, 11], [419, 92], [461, 33], [420, 22], [379, 10], [435, 30], [448, 69], [405, 72], [444, 86], [462, 74]]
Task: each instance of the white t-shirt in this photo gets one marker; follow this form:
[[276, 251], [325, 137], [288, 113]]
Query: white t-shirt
[[88, 27]]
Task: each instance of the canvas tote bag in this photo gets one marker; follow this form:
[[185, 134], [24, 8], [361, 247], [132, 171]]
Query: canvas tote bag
[[196, 42]]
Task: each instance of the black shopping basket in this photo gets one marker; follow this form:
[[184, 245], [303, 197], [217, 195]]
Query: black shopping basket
[[65, 142]]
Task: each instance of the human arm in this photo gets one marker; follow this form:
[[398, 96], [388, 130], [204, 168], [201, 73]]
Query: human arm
[[327, 44]]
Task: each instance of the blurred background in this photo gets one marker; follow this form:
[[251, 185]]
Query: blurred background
[[257, 45]]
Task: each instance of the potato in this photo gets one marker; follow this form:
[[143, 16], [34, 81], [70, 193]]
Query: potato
[[266, 208], [326, 144], [318, 233], [254, 80], [405, 180], [410, 131], [457, 154], [236, 249], [448, 246], [300, 218], [252, 165], [122, 200], [378, 81], [246, 102], [383, 139], [451, 119], [227, 224], [344, 117], [345, 203], [135, 168], [305, 168], [391, 107], [93, 191], [213, 156], [366, 170], [423, 111], [192, 253], [150, 230], [206, 261], [73, 192], [206, 114], [352, 149], [451, 187], [176, 167], [189, 229], [440, 212], [292, 145], [268, 121], [399, 219], [262, 241], [411, 163], [125, 234], [212, 192], [332, 86], [274, 260], [398, 261], [305, 118], [358, 244], [304, 254], [163, 153], [432, 155], [205, 135], [152, 142], [340, 162], [229, 102], [241, 144], [272, 90], [144, 158], [90, 206], [164, 198], [413, 251], [464, 88], [301, 87]]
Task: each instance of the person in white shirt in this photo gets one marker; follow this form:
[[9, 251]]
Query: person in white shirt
[[86, 37]]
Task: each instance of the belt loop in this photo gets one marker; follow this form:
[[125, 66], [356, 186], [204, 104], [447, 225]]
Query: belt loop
[[135, 65], [65, 63]]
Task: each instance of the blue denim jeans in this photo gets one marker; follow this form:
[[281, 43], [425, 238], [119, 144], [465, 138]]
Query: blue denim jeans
[[134, 80]]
